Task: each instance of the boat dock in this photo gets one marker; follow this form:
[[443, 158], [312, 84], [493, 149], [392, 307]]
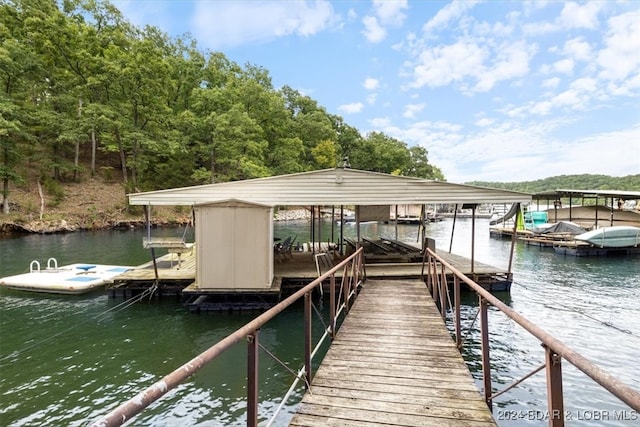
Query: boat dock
[[175, 276], [393, 362], [583, 249]]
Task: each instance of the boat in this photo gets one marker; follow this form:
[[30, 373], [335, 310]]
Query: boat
[[69, 279], [619, 236]]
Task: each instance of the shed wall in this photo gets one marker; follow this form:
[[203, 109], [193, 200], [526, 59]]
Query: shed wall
[[235, 247]]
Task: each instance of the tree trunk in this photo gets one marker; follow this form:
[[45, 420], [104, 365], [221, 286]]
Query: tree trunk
[[123, 158], [213, 163], [93, 149], [5, 196], [76, 158], [5, 182], [41, 199]]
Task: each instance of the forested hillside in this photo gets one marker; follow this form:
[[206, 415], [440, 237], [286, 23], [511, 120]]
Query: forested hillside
[[86, 93], [572, 182]]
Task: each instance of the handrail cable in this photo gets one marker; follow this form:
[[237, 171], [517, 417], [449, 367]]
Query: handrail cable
[[301, 371], [281, 363], [468, 331], [518, 382]]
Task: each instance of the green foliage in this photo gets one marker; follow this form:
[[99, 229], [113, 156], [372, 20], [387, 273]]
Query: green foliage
[[81, 85], [54, 189], [569, 182]]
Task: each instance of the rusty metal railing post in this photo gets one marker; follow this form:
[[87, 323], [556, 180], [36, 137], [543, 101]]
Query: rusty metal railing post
[[308, 343], [486, 361], [456, 302], [252, 379], [332, 305], [346, 289], [553, 363], [436, 283], [443, 293]]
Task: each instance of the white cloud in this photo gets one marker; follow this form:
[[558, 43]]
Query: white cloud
[[484, 122], [390, 12], [386, 13], [450, 12], [578, 49], [564, 66], [371, 84], [467, 60], [410, 110], [380, 122], [488, 154], [511, 61], [371, 98], [442, 65], [373, 31], [355, 107], [551, 83], [620, 59], [235, 23], [574, 15], [538, 28], [584, 84]]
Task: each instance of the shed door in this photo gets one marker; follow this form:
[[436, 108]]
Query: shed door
[[234, 248]]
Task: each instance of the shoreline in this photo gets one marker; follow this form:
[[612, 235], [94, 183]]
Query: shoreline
[[71, 225]]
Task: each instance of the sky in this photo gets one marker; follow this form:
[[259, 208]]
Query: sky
[[503, 91]]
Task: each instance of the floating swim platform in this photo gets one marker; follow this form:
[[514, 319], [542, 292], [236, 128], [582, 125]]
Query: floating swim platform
[[69, 279]]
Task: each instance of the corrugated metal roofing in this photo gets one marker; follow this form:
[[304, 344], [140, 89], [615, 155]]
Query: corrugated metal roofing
[[628, 195], [331, 187]]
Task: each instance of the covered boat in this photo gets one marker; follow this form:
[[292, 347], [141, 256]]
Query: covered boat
[[620, 236], [565, 228]]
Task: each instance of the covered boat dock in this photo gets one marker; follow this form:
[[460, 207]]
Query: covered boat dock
[[235, 253]]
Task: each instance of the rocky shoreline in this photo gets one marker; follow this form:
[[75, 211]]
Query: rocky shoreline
[[80, 224]]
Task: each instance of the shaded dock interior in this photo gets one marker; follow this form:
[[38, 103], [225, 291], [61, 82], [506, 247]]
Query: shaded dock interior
[[393, 362]]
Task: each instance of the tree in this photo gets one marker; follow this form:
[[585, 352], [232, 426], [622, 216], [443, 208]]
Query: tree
[[419, 165], [381, 153]]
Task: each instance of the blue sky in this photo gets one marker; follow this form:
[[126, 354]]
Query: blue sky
[[494, 90]]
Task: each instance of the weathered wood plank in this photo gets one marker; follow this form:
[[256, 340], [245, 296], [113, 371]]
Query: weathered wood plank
[[425, 389], [393, 362], [349, 415], [406, 407], [431, 382]]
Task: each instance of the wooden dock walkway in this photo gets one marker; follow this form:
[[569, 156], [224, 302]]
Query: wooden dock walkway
[[393, 363]]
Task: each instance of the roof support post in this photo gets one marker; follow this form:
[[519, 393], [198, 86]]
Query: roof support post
[[513, 239], [453, 227], [342, 248], [611, 220], [570, 208], [473, 238], [357, 226], [319, 228]]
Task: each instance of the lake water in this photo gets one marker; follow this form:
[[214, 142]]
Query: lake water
[[66, 360]]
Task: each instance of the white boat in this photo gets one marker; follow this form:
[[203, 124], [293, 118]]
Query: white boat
[[68, 279], [620, 236]]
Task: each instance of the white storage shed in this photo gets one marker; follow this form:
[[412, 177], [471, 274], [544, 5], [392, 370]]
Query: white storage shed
[[229, 233]]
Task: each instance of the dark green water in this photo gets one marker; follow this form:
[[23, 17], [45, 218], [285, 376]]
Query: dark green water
[[66, 360]]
